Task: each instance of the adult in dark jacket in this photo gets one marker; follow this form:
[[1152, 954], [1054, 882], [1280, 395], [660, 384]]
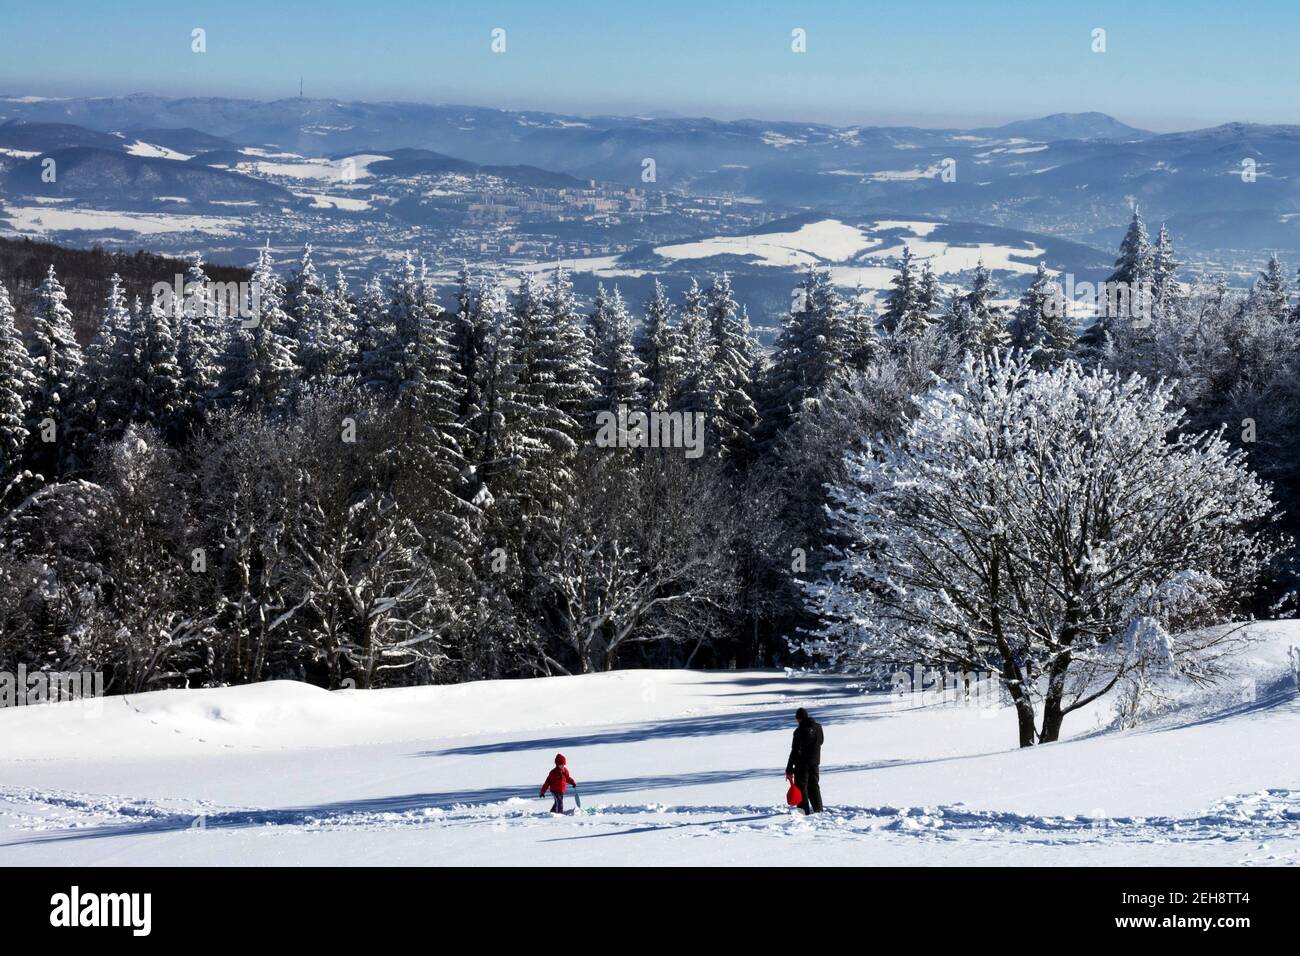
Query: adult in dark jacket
[[805, 761]]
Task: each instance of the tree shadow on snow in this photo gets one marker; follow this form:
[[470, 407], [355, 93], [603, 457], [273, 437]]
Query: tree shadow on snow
[[337, 813], [706, 725]]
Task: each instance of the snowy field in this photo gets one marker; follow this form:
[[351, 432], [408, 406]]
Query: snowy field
[[830, 241], [674, 767], [42, 220]]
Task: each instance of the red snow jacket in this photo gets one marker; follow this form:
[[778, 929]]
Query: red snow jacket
[[557, 780]]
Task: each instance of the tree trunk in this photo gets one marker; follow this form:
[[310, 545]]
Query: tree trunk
[[1052, 718], [1012, 676], [1024, 718], [1053, 714]]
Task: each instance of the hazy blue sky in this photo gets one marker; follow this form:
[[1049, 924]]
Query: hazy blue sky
[[1168, 65]]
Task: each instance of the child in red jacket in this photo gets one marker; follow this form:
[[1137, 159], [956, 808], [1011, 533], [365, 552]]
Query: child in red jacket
[[556, 781]]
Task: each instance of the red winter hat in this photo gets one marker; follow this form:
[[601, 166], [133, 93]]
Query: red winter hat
[[794, 796], [559, 760]]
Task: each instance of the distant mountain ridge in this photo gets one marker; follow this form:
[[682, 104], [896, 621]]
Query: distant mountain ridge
[[1060, 126], [92, 173], [1078, 175]]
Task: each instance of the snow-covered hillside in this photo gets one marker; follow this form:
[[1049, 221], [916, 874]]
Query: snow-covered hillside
[[674, 767]]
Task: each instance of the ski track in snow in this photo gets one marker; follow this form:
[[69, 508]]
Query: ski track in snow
[[1250, 819]]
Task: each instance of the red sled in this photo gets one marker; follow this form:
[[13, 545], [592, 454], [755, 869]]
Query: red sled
[[794, 796]]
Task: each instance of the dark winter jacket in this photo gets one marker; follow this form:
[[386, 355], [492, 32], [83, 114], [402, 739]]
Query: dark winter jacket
[[806, 747], [556, 780]]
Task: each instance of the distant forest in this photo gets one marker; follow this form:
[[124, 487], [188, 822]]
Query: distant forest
[[88, 275]]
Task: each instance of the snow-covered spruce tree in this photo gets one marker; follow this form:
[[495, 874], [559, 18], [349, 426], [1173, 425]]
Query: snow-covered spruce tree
[[17, 389], [1166, 293], [505, 419], [56, 364], [426, 457], [929, 302], [260, 361], [865, 347], [202, 346], [619, 372], [101, 402], [481, 327], [1270, 292], [320, 320], [658, 345], [303, 298], [1026, 523], [1041, 321], [542, 445], [371, 335], [341, 355], [1125, 295], [903, 313], [567, 368], [155, 388], [473, 341], [814, 350], [975, 322], [697, 349], [729, 405]]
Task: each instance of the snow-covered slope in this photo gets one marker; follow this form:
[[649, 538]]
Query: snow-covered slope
[[676, 768]]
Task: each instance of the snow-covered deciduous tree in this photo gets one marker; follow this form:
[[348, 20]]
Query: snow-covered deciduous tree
[[371, 604], [1021, 524], [150, 630], [643, 553]]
